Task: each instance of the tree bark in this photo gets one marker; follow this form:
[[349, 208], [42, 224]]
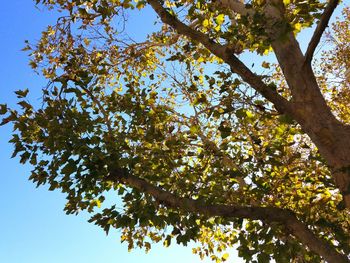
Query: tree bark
[[310, 110], [308, 107], [265, 214]]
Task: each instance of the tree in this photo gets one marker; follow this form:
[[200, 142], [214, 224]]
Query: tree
[[196, 144]]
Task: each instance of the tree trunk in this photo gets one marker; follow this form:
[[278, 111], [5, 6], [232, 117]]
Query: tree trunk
[[310, 110]]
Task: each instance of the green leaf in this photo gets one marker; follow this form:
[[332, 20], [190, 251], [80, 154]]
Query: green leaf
[[194, 129], [263, 258], [3, 109], [241, 113], [22, 93], [69, 168], [225, 131], [24, 104]]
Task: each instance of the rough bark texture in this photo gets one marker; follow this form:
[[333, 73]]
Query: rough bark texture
[[265, 214], [308, 107]]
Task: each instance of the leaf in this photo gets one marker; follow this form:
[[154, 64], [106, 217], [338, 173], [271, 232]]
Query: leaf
[[147, 246], [241, 113], [167, 241], [220, 19], [225, 257], [69, 168], [263, 258], [206, 23], [24, 104], [87, 41], [24, 157], [249, 114], [194, 129], [140, 4], [3, 109], [265, 65], [22, 93], [297, 27], [225, 131]]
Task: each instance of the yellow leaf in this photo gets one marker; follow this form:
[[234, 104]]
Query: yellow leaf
[[98, 203], [220, 19], [224, 257], [205, 23], [297, 27], [267, 51], [249, 114]]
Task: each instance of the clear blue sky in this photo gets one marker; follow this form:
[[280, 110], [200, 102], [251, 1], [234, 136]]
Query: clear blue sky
[[33, 226]]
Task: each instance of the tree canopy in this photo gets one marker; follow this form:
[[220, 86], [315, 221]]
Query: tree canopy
[[187, 138]]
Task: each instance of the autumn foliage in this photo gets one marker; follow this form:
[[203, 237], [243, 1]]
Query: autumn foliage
[[199, 144]]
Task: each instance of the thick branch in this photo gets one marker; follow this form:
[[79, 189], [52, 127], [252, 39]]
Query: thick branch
[[235, 6], [223, 52], [297, 228], [321, 27], [315, 117], [265, 214]]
